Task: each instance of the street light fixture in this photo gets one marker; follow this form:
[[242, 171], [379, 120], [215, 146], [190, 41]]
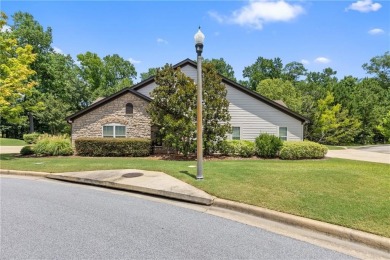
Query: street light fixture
[[199, 39]]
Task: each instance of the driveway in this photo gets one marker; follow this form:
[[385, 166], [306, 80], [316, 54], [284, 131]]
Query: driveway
[[10, 149], [377, 153]]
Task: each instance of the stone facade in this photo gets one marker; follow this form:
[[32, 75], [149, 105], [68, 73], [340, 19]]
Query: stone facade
[[137, 124]]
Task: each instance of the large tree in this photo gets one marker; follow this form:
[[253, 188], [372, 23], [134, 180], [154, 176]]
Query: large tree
[[173, 109], [278, 89], [222, 67], [15, 74], [380, 67], [263, 69]]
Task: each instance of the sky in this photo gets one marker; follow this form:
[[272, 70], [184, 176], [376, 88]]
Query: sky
[[342, 35]]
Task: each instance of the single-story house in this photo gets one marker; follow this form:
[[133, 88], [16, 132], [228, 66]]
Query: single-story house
[[124, 114]]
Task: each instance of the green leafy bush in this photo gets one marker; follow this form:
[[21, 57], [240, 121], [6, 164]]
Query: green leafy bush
[[53, 145], [31, 138], [113, 147], [302, 150], [268, 146], [27, 150], [242, 148]]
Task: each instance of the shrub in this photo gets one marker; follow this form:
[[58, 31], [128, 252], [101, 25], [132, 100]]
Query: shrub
[[302, 150], [53, 145], [27, 150], [112, 147], [31, 138], [268, 146], [241, 148]]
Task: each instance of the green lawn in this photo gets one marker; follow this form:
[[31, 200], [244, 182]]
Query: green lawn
[[333, 147], [11, 142], [343, 192]]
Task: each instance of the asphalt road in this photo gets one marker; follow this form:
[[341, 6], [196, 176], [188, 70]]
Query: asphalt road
[[43, 219]]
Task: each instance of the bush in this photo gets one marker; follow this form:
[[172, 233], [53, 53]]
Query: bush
[[241, 148], [268, 146], [113, 147], [31, 138], [27, 150], [302, 150], [53, 145]]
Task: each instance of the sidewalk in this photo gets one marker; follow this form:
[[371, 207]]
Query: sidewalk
[[359, 155], [161, 184], [10, 149]]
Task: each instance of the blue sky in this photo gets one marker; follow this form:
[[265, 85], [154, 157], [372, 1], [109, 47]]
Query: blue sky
[[338, 34]]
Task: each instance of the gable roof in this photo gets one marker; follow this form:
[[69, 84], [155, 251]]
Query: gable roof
[[103, 101], [134, 90], [236, 86]]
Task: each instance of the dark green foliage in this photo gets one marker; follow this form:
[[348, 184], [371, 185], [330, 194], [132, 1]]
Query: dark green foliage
[[297, 150], [27, 150], [268, 146], [242, 148], [31, 138], [53, 145], [113, 147]]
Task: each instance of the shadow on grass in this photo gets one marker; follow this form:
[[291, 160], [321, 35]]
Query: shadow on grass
[[189, 174], [7, 157]]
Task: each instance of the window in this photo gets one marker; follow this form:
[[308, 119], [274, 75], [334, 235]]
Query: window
[[283, 133], [129, 109], [236, 133], [114, 130]]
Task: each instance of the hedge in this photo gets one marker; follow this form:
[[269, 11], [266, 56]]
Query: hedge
[[242, 148], [113, 147], [296, 150]]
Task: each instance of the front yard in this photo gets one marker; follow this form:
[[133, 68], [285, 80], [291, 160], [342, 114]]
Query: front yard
[[343, 192]]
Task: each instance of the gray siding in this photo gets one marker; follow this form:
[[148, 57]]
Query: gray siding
[[251, 115], [255, 117]]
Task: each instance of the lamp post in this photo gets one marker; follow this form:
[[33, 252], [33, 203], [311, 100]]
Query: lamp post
[[199, 38]]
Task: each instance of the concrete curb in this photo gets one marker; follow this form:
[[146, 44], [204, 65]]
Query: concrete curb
[[24, 173], [371, 240], [129, 187]]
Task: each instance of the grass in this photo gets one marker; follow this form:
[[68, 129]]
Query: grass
[[333, 147], [348, 193], [12, 142]]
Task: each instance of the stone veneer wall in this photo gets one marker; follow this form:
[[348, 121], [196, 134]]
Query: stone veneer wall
[[137, 124]]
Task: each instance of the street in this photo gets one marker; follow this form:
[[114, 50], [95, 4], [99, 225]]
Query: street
[[52, 220]]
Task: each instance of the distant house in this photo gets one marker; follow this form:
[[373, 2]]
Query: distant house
[[124, 114]]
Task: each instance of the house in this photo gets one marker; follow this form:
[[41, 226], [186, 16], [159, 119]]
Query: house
[[124, 113]]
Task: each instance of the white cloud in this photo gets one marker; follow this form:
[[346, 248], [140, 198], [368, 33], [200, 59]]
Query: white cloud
[[364, 6], [322, 60], [305, 62], [376, 31], [258, 12], [133, 61], [5, 28], [57, 50], [160, 40]]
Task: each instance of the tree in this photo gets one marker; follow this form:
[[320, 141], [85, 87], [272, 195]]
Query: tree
[[216, 115], [384, 126], [222, 67], [278, 89], [332, 124], [151, 72], [173, 109], [105, 76], [293, 71], [15, 74], [380, 67], [263, 69]]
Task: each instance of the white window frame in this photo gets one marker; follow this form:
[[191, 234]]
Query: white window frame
[[284, 138], [239, 129], [114, 131]]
